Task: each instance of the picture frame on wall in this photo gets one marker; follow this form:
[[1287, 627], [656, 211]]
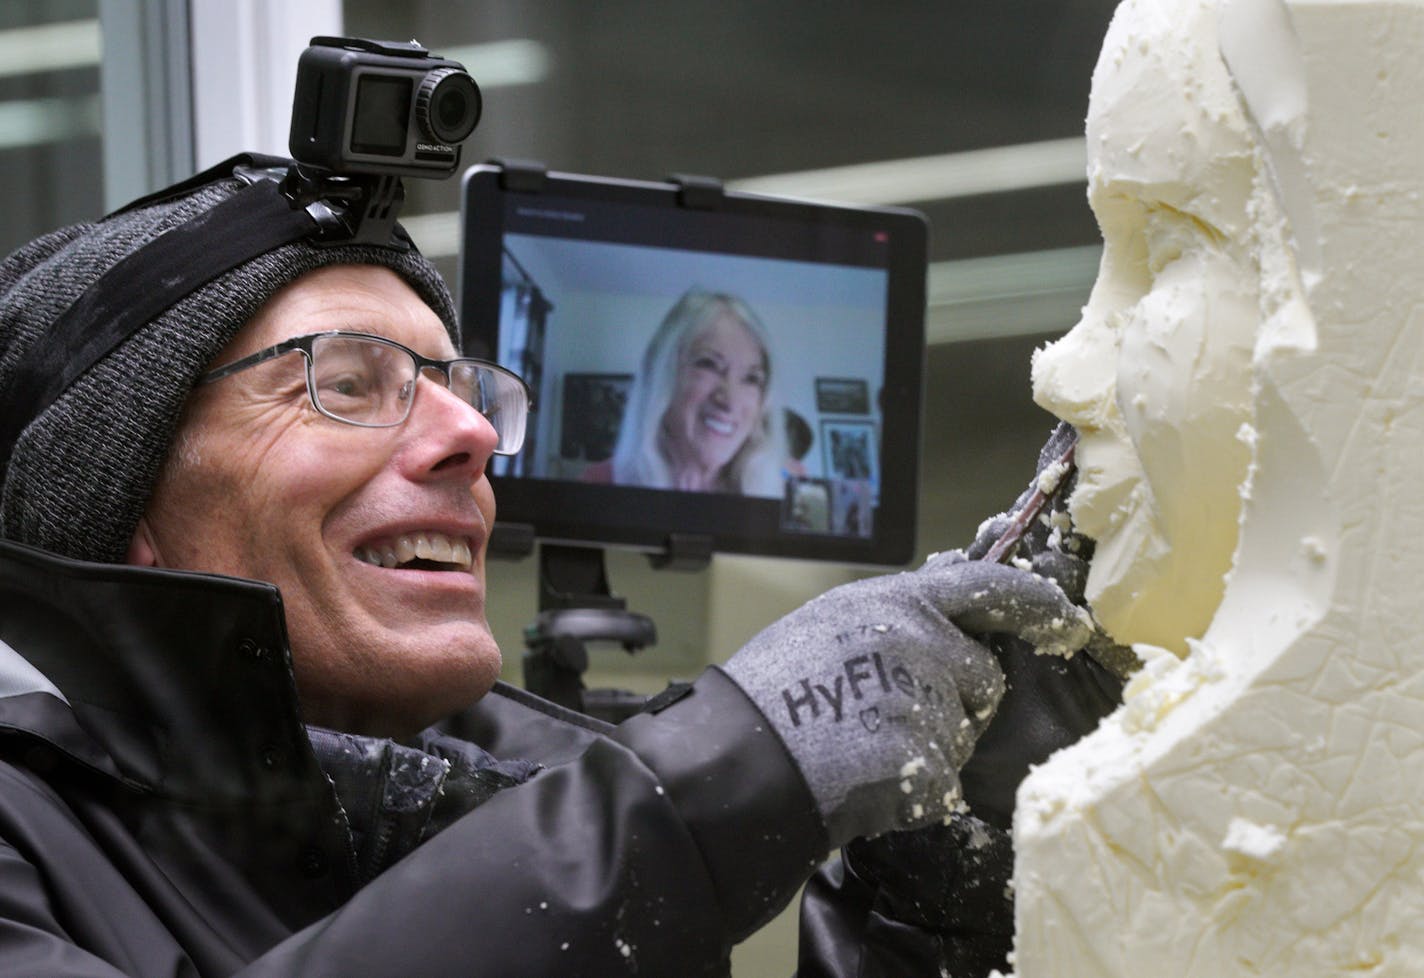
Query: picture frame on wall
[[849, 450], [842, 395]]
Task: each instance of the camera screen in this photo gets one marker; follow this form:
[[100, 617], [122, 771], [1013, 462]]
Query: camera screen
[[732, 373], [381, 113]]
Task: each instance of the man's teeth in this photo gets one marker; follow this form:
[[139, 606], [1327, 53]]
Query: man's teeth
[[426, 545]]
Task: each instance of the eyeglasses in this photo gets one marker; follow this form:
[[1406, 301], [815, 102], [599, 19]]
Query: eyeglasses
[[369, 381]]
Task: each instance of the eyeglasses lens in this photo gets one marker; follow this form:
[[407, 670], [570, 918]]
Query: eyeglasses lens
[[499, 396], [361, 381]]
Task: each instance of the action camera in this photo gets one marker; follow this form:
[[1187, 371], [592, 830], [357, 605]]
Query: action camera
[[381, 107]]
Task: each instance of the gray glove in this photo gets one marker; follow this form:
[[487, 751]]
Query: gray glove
[[879, 695]]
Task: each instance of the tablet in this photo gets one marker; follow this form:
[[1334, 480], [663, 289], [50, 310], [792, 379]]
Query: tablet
[[712, 370]]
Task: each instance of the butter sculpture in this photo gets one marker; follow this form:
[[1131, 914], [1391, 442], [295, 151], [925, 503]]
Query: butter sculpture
[[1248, 381]]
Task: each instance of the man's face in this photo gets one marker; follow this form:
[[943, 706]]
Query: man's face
[[718, 399], [260, 485], [1156, 375]]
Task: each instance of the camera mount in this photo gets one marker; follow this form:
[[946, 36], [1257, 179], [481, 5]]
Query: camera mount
[[359, 209]]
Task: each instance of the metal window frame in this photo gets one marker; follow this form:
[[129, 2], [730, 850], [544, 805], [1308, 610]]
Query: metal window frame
[[186, 83]]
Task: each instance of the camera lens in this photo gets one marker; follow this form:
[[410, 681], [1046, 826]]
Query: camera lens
[[448, 105]]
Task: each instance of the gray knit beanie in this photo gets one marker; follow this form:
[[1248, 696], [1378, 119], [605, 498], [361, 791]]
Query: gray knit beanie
[[81, 472]]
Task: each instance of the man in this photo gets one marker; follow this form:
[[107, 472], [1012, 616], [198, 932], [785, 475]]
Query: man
[[242, 575]]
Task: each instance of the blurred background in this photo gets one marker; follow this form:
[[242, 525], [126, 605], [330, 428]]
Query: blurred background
[[970, 111]]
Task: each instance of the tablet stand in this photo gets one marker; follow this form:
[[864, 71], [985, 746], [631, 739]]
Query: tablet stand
[[577, 607]]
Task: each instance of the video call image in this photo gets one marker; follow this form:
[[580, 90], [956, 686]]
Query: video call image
[[701, 372]]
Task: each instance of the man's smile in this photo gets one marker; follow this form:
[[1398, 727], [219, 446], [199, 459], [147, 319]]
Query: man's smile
[[422, 550]]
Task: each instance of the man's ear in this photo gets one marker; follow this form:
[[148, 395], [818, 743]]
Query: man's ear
[[142, 550]]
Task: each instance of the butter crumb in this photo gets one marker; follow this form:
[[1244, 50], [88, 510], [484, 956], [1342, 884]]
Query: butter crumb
[[913, 767], [1255, 842], [1051, 476]]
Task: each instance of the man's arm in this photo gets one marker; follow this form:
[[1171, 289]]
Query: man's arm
[[676, 836], [599, 865]]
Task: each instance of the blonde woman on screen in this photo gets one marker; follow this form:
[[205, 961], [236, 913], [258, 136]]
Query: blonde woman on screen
[[699, 415]]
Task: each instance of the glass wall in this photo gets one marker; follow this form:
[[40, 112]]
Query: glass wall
[[741, 89], [51, 165]]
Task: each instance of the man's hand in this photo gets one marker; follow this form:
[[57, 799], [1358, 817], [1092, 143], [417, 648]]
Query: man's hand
[[1048, 703], [879, 694]]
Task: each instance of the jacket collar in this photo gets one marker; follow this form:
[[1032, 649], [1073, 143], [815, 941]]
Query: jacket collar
[[178, 683]]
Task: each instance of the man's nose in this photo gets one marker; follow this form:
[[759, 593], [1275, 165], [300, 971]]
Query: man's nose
[[447, 433]]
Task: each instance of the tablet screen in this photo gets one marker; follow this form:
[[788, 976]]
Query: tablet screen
[[747, 372]]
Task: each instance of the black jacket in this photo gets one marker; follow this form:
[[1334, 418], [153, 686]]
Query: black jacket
[[162, 812]]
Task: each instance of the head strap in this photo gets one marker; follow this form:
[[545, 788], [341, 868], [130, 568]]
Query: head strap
[[139, 288]]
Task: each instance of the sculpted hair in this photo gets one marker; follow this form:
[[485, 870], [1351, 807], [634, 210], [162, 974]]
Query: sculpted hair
[[638, 457]]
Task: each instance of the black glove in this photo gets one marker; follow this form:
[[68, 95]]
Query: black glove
[[879, 695], [953, 880], [1049, 702]]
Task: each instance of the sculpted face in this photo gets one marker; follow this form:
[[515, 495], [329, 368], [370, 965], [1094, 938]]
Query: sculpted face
[[721, 384], [1253, 808], [259, 485], [1156, 375]]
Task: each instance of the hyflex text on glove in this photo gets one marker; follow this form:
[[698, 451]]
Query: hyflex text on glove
[[879, 693]]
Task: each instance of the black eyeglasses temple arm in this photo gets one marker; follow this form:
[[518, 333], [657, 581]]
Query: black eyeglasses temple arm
[[250, 361]]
